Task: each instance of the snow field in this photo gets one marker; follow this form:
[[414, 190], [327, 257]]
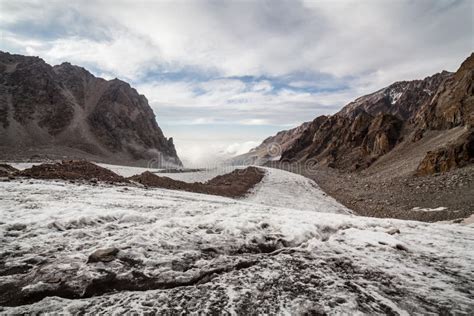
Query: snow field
[[298, 255]]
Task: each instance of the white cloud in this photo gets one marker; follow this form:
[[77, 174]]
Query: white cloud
[[112, 57], [341, 38], [254, 121], [262, 86], [208, 154], [240, 148], [235, 102]]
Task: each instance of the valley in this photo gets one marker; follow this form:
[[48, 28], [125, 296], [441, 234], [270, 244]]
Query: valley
[[365, 208]]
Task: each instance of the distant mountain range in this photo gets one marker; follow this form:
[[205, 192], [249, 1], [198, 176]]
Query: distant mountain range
[[426, 125], [64, 111]]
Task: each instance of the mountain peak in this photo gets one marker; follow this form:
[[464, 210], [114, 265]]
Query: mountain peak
[[66, 111]]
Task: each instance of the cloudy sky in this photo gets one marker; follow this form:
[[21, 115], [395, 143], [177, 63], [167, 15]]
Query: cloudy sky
[[223, 75]]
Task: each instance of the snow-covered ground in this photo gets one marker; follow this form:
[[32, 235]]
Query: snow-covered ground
[[200, 176], [292, 191], [278, 188], [23, 165], [182, 253], [427, 209], [126, 171]]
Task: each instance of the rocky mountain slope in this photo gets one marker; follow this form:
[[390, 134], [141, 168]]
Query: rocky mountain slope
[[271, 148], [396, 116], [401, 99], [64, 111]]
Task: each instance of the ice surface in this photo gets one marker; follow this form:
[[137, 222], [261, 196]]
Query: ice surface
[[126, 171], [427, 209], [281, 250], [23, 165], [289, 190], [200, 176]]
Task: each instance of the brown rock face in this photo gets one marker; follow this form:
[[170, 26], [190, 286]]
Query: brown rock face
[[453, 103], [43, 108], [452, 106], [447, 158], [305, 139], [383, 134], [347, 143]]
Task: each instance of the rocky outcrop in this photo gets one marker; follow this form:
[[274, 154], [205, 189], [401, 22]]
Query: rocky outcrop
[[6, 170], [453, 103], [346, 143], [103, 255], [71, 170], [235, 184], [383, 134], [450, 157], [67, 111], [306, 138]]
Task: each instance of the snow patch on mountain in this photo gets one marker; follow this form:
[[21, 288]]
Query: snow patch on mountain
[[394, 96]]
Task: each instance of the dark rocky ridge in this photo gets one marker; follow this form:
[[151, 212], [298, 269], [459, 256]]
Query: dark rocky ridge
[[71, 170], [345, 143], [371, 126], [235, 184], [401, 99], [65, 111], [6, 170]]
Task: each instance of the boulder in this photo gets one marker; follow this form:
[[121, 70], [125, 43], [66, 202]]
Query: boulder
[[103, 255]]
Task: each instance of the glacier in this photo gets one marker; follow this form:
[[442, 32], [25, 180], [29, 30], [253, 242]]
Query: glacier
[[286, 248]]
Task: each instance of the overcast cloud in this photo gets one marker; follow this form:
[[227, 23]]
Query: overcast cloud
[[226, 66]]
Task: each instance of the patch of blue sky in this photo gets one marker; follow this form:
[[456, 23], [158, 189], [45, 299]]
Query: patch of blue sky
[[69, 24], [299, 82]]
